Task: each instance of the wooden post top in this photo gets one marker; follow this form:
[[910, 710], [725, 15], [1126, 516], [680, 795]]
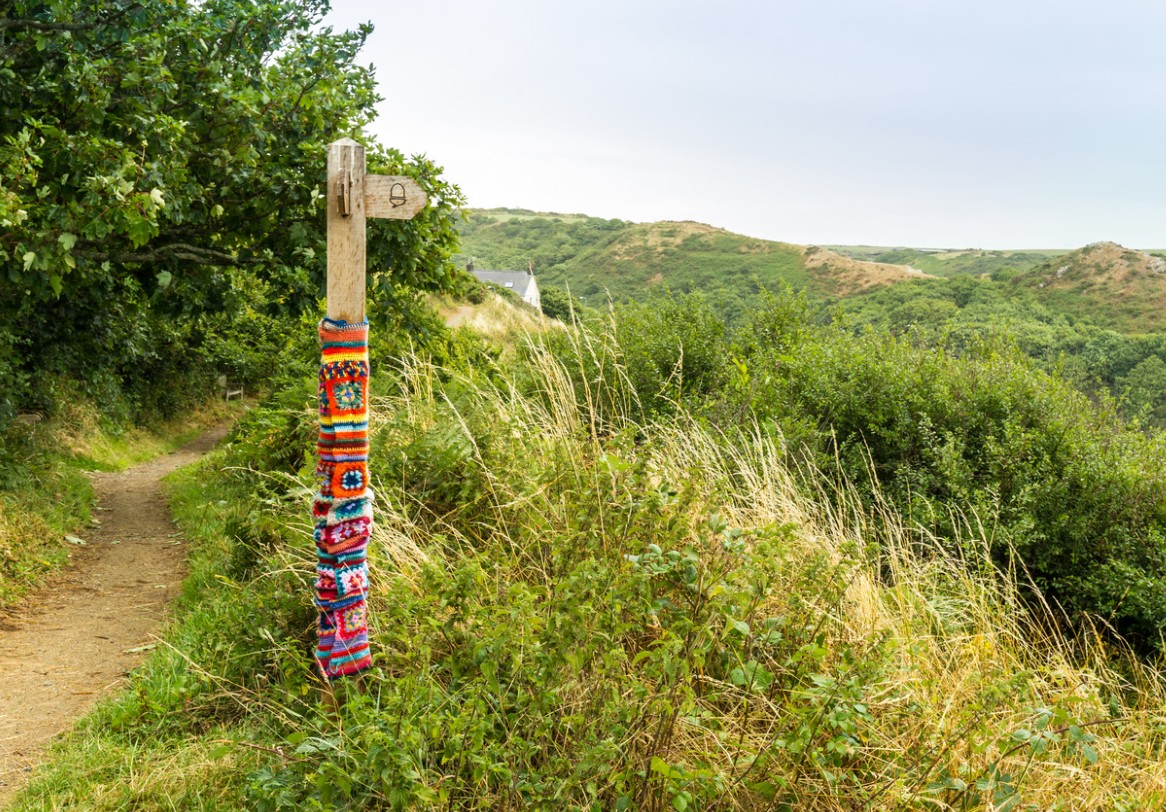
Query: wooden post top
[[346, 239]]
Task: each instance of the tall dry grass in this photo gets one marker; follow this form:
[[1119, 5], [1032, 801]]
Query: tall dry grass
[[939, 681]]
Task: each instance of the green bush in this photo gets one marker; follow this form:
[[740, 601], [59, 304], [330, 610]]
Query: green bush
[[970, 432], [985, 437], [673, 348], [558, 303]]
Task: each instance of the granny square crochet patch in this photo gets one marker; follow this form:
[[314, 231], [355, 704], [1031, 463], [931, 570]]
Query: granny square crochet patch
[[352, 580], [348, 479]]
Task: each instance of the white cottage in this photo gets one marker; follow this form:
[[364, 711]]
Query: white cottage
[[521, 282]]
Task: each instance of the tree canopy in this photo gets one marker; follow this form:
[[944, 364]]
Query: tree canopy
[[162, 177]]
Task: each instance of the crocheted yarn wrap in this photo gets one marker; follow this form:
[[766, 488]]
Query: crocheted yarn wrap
[[342, 510]]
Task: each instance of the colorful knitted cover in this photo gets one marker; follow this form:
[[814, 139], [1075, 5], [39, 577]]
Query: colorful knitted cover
[[342, 509]]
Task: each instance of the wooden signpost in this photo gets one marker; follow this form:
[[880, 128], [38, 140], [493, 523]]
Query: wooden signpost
[[342, 510], [354, 196]]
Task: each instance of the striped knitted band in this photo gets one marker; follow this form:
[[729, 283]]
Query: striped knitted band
[[342, 509]]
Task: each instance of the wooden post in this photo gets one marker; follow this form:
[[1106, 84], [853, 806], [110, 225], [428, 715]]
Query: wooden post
[[341, 588], [346, 251]]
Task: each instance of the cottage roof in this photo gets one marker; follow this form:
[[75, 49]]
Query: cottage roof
[[517, 281]]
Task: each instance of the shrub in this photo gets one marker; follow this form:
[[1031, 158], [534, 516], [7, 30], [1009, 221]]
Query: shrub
[[970, 432], [673, 348], [984, 436], [558, 303]]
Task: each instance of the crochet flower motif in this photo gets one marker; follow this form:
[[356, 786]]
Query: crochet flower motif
[[350, 508], [353, 479], [353, 580], [323, 473], [348, 396], [347, 530], [353, 620], [325, 578]]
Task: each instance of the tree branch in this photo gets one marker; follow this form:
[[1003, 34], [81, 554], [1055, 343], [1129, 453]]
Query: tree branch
[[36, 25], [175, 250]]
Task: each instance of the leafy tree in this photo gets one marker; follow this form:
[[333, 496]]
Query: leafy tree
[[162, 171], [1145, 388], [558, 303], [923, 312]]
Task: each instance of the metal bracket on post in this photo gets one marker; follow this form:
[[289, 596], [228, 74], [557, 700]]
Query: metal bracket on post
[[344, 193]]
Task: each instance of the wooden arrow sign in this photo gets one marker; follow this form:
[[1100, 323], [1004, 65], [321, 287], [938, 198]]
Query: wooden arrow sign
[[393, 197]]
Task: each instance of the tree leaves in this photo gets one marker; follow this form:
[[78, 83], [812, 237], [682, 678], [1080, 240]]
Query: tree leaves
[[147, 145]]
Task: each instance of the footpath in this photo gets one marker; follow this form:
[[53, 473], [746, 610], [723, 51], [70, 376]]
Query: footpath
[[76, 639]]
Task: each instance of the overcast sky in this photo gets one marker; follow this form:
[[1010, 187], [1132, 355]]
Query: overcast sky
[[937, 123]]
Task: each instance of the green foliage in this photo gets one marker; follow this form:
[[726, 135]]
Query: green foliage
[[557, 664], [964, 311], [970, 262], [42, 497], [662, 353], [666, 639], [970, 431], [674, 350], [1144, 388], [585, 600], [1104, 283], [404, 326], [503, 238], [162, 202], [574, 636], [475, 290], [558, 303], [1078, 497]]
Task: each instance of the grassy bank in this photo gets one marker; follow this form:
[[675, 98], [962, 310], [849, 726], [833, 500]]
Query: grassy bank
[[576, 607]]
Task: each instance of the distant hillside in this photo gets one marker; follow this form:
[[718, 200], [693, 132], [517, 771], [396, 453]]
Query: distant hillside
[[1104, 284], [597, 257], [1108, 284], [838, 275], [973, 261]]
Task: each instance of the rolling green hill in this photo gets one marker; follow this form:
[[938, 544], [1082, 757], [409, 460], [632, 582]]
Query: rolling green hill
[[598, 258], [1105, 283], [683, 256], [942, 262], [1102, 284]]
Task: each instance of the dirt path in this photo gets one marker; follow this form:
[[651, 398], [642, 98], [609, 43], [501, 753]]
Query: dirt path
[[75, 640]]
